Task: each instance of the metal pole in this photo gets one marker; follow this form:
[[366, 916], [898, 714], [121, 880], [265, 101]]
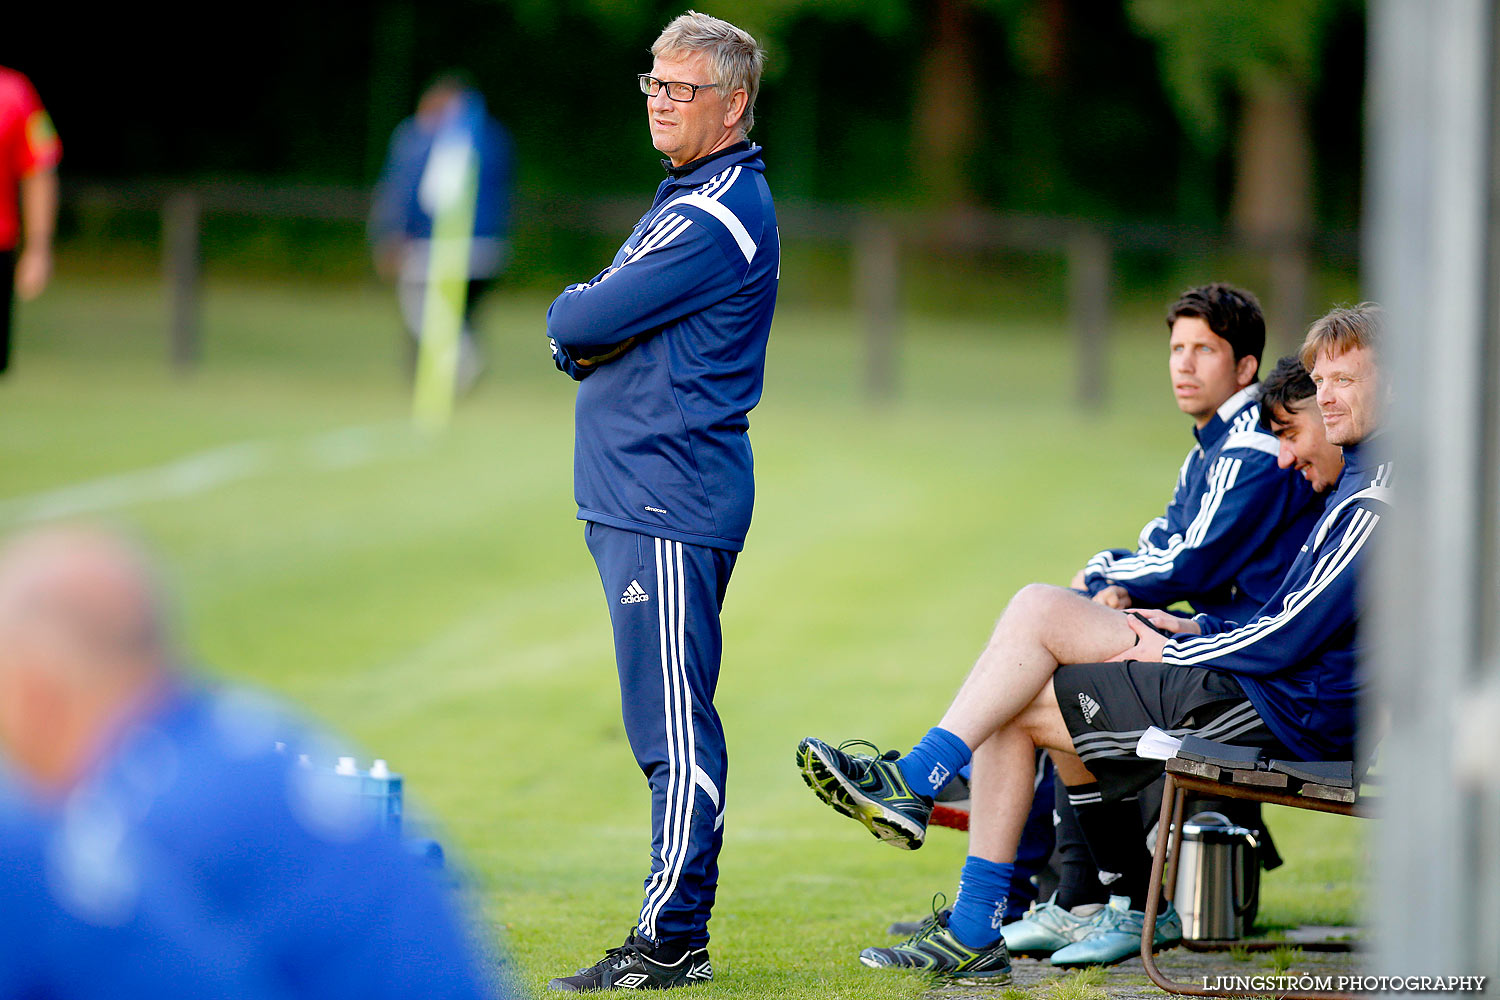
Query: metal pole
[[1431, 114]]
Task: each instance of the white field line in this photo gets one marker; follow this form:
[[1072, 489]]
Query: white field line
[[205, 471]]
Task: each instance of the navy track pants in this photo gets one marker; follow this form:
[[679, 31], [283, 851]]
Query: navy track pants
[[664, 598]]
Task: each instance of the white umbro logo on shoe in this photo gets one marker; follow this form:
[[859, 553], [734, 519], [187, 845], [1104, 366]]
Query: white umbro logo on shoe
[[634, 594], [632, 981], [1090, 707], [703, 970]]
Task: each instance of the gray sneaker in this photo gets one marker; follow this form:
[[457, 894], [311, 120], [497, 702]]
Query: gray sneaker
[[1115, 934], [1048, 927]]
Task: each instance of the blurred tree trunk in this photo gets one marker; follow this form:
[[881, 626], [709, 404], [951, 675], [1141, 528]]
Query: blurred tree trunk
[[1272, 200], [1051, 62], [1269, 54], [1272, 197], [944, 105]]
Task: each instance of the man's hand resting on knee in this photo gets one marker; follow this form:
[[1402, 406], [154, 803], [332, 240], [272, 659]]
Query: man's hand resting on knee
[[1149, 642]]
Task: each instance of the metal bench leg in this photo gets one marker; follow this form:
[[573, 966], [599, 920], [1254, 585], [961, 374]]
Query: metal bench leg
[[1174, 849], [1168, 837], [1164, 860]]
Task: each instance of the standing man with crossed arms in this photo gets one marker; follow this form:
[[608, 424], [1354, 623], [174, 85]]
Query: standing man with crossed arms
[[668, 344]]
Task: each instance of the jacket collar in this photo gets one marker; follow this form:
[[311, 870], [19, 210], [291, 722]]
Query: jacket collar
[[677, 173], [1218, 424], [740, 155], [1361, 460]]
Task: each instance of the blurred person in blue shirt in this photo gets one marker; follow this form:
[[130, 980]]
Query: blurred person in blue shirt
[[154, 843], [406, 198]]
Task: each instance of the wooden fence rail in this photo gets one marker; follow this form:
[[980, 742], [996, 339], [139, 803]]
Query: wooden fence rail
[[877, 240]]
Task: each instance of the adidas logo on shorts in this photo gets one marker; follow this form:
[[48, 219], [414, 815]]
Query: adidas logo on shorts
[[1089, 706], [634, 594]]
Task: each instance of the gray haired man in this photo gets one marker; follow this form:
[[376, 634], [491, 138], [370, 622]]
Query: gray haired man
[[668, 345]]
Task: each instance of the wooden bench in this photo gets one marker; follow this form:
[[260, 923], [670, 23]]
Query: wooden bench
[[1186, 777]]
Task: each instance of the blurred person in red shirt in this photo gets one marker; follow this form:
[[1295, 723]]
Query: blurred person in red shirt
[[29, 151]]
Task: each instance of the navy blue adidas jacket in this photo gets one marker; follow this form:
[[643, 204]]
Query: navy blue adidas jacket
[[1232, 529], [194, 860], [1297, 659], [669, 346]]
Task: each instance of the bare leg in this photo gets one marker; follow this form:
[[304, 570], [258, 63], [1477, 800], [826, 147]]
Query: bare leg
[[1042, 627], [1000, 785]]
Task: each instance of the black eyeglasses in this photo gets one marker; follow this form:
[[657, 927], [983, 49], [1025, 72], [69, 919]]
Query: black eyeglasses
[[676, 89]]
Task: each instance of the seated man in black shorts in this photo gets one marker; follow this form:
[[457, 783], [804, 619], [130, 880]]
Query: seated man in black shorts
[[1287, 411], [1285, 681], [1236, 519]]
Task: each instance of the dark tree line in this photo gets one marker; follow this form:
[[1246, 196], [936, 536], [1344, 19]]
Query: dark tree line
[[1191, 109]]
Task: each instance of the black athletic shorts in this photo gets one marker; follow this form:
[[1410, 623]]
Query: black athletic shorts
[[1107, 706]]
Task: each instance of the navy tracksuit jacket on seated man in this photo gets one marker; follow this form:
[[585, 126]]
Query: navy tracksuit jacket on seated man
[[1234, 526], [669, 346]]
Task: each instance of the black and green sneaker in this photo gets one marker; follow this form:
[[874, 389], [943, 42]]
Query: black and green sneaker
[[910, 928], [935, 951], [869, 788]]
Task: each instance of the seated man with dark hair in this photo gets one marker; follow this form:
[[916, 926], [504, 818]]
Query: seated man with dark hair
[[1235, 521], [1286, 681], [1289, 411]]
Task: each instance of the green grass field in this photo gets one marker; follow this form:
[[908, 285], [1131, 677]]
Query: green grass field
[[432, 600]]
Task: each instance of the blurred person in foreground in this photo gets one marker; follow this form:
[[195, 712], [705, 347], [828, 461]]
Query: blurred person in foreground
[[1084, 681], [29, 153], [669, 346], [453, 123], [154, 843]]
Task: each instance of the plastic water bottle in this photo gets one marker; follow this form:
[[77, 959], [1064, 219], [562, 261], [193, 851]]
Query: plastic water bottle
[[382, 795]]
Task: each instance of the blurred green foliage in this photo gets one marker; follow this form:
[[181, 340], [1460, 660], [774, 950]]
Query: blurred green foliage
[[1210, 50], [1070, 110]]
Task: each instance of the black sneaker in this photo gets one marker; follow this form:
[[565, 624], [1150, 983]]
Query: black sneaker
[[870, 789], [936, 951], [638, 965]]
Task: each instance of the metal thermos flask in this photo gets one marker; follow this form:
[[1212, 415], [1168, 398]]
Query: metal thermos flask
[[1218, 877]]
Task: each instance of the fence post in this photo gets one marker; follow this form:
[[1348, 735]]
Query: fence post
[[877, 298], [181, 215], [1089, 267], [1290, 278]]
